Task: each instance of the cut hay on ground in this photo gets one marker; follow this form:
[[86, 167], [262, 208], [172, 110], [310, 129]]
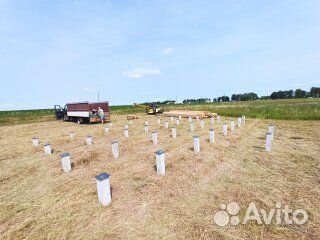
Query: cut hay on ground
[[188, 113], [39, 201], [132, 117]]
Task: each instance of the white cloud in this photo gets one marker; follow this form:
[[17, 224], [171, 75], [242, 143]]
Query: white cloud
[[299, 84], [88, 89], [141, 72], [4, 105], [167, 51]]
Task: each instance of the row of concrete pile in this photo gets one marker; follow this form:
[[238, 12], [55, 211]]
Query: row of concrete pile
[[103, 183]]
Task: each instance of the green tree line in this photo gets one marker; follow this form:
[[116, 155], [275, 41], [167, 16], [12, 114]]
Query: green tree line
[[287, 94]]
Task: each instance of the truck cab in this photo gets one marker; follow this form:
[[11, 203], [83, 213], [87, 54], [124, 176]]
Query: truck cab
[[59, 111]]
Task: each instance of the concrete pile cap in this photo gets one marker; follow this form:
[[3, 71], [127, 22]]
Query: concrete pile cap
[[102, 176], [196, 136], [114, 141], [34, 138], [211, 129], [64, 155], [47, 144], [89, 136], [154, 132], [159, 152]]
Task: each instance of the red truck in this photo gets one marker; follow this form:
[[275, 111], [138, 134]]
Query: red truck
[[82, 112]]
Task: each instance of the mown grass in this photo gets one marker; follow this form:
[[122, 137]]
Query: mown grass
[[126, 109], [290, 109], [25, 116], [286, 109]]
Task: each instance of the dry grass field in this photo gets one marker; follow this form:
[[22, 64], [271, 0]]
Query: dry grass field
[[39, 201]]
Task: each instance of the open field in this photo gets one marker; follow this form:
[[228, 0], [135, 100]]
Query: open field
[[39, 201], [291, 109], [9, 118], [25, 116]]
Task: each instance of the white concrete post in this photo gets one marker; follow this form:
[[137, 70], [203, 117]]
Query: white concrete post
[[155, 138], [178, 122], [171, 119], [218, 119], [243, 120], [35, 142], [66, 162], [103, 188], [146, 128], [197, 118], [130, 122], [202, 124], [160, 162], [180, 118], [166, 124], [268, 142], [211, 135], [190, 119], [159, 121], [47, 149], [232, 126], [191, 126], [174, 132], [110, 124], [271, 130], [196, 143], [89, 140], [106, 129], [239, 121], [126, 133], [115, 148], [72, 135], [212, 120], [225, 129]]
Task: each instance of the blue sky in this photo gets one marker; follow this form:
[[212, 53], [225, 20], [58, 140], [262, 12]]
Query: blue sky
[[53, 52]]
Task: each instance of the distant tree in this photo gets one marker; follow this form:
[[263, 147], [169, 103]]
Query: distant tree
[[315, 92], [265, 97], [244, 97], [224, 99], [300, 93], [287, 94]]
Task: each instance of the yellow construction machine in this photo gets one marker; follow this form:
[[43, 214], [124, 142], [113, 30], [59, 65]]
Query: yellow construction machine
[[151, 108]]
